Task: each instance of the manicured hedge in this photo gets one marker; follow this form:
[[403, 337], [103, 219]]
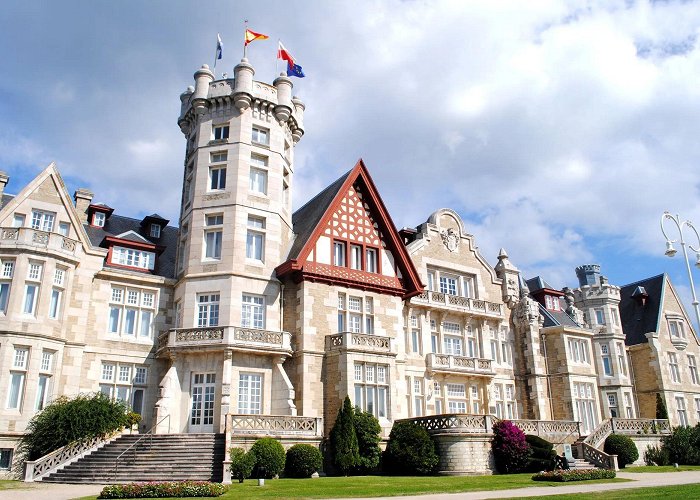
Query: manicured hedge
[[623, 447], [177, 489], [269, 457], [410, 450], [302, 461], [565, 476], [242, 464]]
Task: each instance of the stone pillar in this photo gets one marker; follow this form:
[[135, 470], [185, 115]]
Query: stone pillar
[[169, 386], [227, 371]]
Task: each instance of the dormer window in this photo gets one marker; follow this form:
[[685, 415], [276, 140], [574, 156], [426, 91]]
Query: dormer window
[[676, 328], [98, 219], [130, 257], [155, 230]]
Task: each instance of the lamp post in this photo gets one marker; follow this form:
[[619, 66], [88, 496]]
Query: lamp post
[[670, 251]]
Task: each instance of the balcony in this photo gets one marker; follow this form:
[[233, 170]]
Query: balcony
[[28, 238], [220, 337], [449, 363], [274, 425], [476, 307], [359, 342]]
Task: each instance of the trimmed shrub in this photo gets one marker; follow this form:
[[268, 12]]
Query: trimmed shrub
[[564, 476], [176, 489], [302, 461], [510, 449], [268, 454], [656, 455], [623, 447], [132, 419], [344, 448], [68, 420], [410, 450], [661, 411], [242, 464], [542, 456], [367, 430], [683, 445]]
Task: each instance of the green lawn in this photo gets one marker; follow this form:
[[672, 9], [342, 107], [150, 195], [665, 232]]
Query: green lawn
[[664, 468], [11, 484], [659, 492]]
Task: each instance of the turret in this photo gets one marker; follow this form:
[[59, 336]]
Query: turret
[[588, 274], [299, 115], [202, 77], [283, 110], [243, 90]]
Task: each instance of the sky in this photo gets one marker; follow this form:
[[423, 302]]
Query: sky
[[558, 130]]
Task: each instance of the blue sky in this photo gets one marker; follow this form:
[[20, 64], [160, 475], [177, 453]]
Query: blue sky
[[559, 130]]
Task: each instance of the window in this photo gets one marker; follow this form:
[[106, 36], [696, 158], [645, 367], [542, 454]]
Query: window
[[18, 220], [614, 316], [628, 405], [18, 374], [221, 132], [219, 157], [178, 314], [612, 404], [415, 340], [475, 400], [621, 358], [498, 400], [6, 272], [607, 362], [339, 253], [681, 410], [511, 409], [371, 260], [31, 290], [578, 351], [693, 369], [697, 408], [584, 405], [356, 257], [255, 239], [506, 346], [208, 309], [258, 174], [452, 345], [130, 257], [354, 316], [98, 219], [369, 316], [118, 381], [372, 388], [5, 458], [253, 312], [64, 229], [551, 303], [43, 221], [418, 397], [599, 316], [450, 283], [677, 330], [250, 394], [213, 235], [131, 312], [155, 230], [673, 367], [56, 293], [285, 188], [471, 343], [43, 391], [261, 136]]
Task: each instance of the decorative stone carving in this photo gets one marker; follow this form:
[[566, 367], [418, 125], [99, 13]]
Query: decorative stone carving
[[573, 311], [527, 311], [450, 238]]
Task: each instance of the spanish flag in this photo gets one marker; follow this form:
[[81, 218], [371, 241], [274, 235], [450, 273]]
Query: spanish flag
[[251, 36]]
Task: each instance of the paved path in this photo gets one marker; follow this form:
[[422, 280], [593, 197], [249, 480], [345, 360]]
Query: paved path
[[53, 491]]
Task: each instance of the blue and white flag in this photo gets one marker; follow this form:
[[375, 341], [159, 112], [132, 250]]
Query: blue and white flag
[[219, 47]]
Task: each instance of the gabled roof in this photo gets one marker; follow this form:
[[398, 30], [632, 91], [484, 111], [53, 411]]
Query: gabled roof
[[5, 199], [310, 220], [637, 319], [537, 283], [132, 235]]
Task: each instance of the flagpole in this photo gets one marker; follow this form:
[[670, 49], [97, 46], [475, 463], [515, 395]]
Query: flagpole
[[245, 40], [216, 54], [277, 57]]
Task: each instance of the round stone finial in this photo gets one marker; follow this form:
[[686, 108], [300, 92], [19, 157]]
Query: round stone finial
[[205, 66], [190, 89]]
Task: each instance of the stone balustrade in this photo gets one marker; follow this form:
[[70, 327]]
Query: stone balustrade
[[25, 237], [455, 423], [640, 426], [597, 457], [274, 425], [359, 342], [555, 431], [459, 364], [226, 336], [462, 304]]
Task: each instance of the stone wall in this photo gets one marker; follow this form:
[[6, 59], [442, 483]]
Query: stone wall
[[464, 454]]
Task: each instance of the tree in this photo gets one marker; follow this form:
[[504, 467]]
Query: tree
[[411, 450], [510, 449], [623, 447], [344, 448], [367, 430], [661, 411], [269, 457]]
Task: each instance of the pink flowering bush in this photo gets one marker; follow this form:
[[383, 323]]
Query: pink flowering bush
[[177, 489], [564, 476], [510, 449]]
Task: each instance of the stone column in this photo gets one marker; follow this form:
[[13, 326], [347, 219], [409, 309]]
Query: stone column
[[167, 390], [226, 389]]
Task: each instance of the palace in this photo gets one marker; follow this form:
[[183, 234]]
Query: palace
[[247, 319]]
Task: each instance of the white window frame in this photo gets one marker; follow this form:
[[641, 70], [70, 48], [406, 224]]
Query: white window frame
[[43, 220], [371, 389], [213, 236], [250, 392], [260, 135], [220, 132], [208, 305], [673, 368], [253, 311], [255, 239], [131, 257], [132, 312]]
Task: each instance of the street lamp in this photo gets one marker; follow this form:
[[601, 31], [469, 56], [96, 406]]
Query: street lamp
[[670, 251]]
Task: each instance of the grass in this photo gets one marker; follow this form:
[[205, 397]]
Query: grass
[[652, 493], [12, 484], [663, 468]]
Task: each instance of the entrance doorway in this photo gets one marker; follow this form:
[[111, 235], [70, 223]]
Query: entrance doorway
[[202, 407]]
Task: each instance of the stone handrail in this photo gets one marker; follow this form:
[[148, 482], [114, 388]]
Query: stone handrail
[[26, 236], [359, 341], [454, 363], [278, 425], [640, 426], [597, 457], [550, 429], [455, 422], [37, 469], [229, 336], [463, 303], [597, 437]]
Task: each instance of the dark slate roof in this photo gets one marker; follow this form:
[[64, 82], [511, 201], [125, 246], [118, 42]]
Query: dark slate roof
[[307, 218], [5, 199], [557, 318], [117, 224], [537, 283], [637, 320]]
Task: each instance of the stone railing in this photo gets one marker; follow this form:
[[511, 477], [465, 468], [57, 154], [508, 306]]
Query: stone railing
[[464, 304], [36, 469], [225, 336], [597, 457], [275, 425], [597, 437], [640, 426], [455, 422], [28, 237], [556, 431], [358, 342], [461, 364]]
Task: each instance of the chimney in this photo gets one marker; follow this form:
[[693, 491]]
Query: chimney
[[82, 198], [588, 274], [4, 179]]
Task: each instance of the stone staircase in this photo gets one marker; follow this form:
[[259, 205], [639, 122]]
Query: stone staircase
[[171, 457]]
